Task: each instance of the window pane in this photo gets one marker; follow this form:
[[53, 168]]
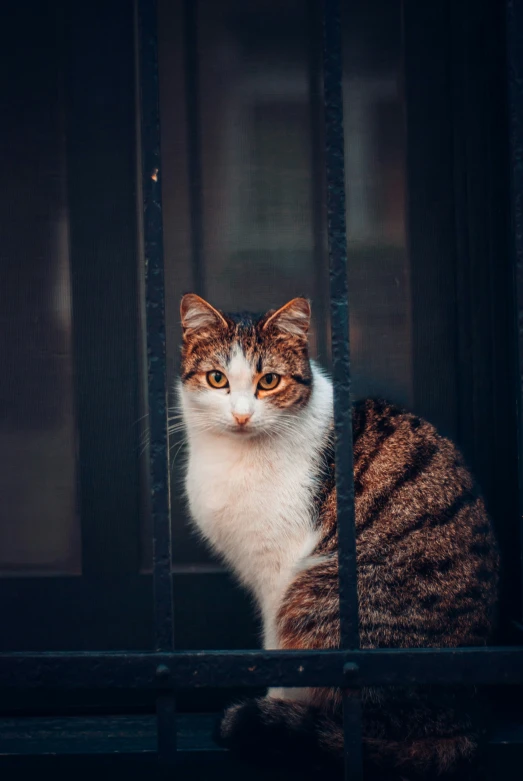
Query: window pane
[[39, 529], [375, 176], [263, 208], [257, 153]]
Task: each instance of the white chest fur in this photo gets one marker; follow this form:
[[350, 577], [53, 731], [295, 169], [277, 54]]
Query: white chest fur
[[252, 500]]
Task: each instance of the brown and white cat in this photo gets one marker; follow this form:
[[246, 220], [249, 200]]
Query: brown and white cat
[[260, 483]]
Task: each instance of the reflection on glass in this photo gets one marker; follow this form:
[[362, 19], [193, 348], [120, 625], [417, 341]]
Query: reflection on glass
[[39, 530]]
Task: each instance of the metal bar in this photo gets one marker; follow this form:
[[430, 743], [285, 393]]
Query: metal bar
[[166, 728], [335, 169], [352, 734], [157, 383], [337, 233], [515, 99], [155, 317], [200, 669], [194, 142]]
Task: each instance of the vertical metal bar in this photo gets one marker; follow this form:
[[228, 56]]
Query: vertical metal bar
[[317, 175], [156, 364], [515, 98], [352, 734], [194, 142], [335, 170]]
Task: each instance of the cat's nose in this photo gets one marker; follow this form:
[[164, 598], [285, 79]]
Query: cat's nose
[[242, 418]]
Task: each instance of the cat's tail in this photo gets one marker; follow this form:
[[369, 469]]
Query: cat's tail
[[275, 732], [267, 730]]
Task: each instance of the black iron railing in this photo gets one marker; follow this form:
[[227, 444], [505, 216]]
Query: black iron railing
[[515, 101], [335, 171], [164, 670], [160, 503]]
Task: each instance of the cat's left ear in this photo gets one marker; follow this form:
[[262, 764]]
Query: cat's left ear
[[293, 318]]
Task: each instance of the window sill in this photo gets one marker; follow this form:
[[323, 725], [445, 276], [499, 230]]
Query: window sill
[[99, 744]]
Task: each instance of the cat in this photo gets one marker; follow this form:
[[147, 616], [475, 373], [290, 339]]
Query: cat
[[260, 484]]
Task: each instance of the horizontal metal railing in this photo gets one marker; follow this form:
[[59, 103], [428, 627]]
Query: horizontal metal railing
[[199, 669]]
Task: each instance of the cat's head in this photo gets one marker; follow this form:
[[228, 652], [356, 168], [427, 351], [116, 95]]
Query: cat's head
[[244, 375]]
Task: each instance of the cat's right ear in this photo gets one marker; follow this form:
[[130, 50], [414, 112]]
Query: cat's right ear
[[197, 314]]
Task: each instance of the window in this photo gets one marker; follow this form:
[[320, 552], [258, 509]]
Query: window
[[242, 177]]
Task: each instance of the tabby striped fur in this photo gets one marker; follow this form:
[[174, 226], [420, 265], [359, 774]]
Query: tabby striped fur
[[264, 496]]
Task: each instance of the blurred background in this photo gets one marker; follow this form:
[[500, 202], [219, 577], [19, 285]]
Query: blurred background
[[244, 225]]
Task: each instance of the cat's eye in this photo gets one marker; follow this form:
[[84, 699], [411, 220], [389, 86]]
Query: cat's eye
[[217, 379], [269, 381]]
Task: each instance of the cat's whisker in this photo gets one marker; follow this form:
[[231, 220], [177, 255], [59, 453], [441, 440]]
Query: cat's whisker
[[176, 454], [177, 427]]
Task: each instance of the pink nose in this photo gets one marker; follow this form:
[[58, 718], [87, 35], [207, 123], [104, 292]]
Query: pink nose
[[242, 419]]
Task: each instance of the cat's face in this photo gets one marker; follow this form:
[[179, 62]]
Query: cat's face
[[244, 375]]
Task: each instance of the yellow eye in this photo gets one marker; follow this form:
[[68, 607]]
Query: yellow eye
[[217, 379], [269, 381]]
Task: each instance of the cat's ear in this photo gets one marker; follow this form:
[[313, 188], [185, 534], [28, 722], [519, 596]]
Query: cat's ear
[[293, 318], [197, 314]]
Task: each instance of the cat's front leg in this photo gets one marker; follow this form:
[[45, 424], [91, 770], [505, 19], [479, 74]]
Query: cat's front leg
[[271, 642]]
